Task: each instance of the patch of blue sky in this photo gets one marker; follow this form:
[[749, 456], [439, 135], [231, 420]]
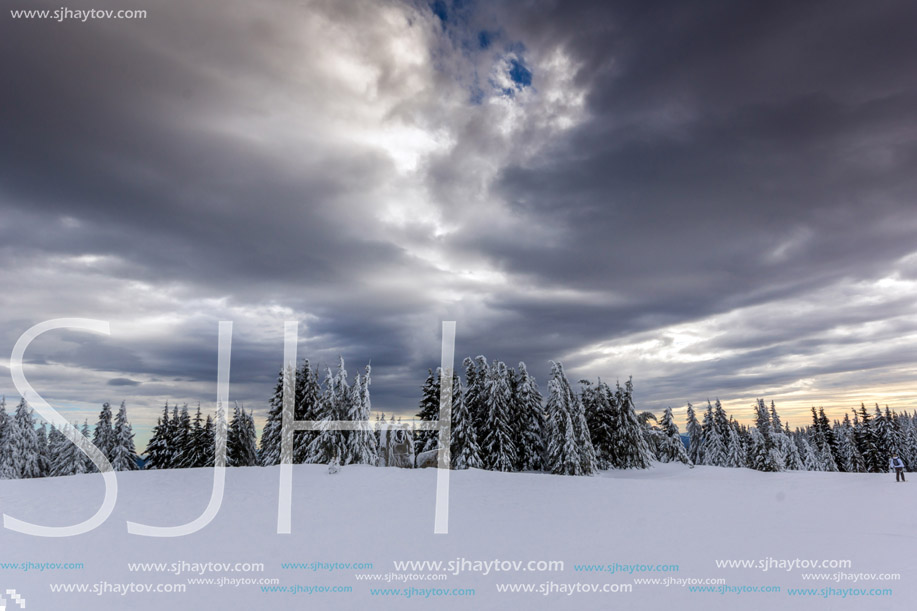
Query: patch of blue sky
[[456, 20], [519, 73], [440, 9]]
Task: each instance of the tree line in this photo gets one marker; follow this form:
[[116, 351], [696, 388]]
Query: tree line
[[861, 445], [28, 450], [501, 421]]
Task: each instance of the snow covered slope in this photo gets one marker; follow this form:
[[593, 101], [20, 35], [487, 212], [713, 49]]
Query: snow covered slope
[[659, 518]]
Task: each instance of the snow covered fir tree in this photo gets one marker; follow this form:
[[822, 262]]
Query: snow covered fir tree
[[863, 444], [29, 449], [501, 421]]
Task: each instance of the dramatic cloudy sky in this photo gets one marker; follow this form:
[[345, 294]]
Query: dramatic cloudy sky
[[717, 198]]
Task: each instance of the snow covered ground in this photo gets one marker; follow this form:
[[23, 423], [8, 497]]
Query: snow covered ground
[[666, 516]]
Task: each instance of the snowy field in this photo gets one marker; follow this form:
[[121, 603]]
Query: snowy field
[[674, 523]]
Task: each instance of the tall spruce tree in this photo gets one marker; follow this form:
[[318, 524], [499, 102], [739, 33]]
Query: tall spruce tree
[[56, 448], [499, 449], [773, 459], [825, 459], [7, 471], [66, 457], [251, 439], [330, 444], [788, 449], [176, 441], [88, 465], [200, 446], [825, 427], [44, 455], [851, 461], [184, 439], [776, 424], [908, 450], [465, 451], [476, 372], [672, 449], [714, 446], [652, 434], [529, 416], [361, 445], [123, 456], [241, 448], [209, 441], [600, 410], [806, 453], [757, 453], [886, 434], [24, 443], [428, 411], [867, 443], [735, 452], [720, 421], [104, 436], [581, 432], [629, 447], [762, 419], [425, 441], [563, 454], [783, 455], [695, 437], [820, 443], [221, 435], [159, 450], [271, 435], [307, 407]]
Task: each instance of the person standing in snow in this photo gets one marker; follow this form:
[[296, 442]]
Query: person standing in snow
[[898, 465]]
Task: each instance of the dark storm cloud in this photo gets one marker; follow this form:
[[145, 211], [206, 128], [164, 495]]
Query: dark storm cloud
[[103, 129], [735, 154], [123, 382], [210, 164], [108, 152]]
